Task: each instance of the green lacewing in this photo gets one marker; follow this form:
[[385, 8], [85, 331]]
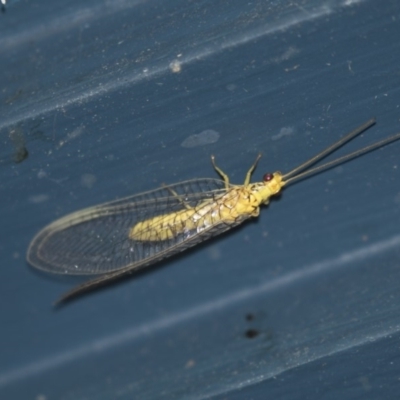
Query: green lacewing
[[119, 237]]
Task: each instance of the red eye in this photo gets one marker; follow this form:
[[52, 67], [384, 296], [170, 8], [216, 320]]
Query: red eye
[[268, 177]]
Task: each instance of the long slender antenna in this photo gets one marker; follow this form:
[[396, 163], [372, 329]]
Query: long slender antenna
[[343, 159], [330, 149]]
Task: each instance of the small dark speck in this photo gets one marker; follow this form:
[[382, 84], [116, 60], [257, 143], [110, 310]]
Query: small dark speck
[[252, 333], [249, 317]]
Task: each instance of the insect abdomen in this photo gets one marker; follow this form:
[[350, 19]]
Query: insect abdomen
[[164, 227], [235, 203]]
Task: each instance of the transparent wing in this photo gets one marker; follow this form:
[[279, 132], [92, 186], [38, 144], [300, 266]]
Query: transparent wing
[[96, 240]]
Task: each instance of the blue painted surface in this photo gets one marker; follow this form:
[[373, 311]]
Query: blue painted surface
[[90, 90]]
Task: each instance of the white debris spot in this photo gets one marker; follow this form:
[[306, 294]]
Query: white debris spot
[[42, 174], [38, 198], [206, 137], [175, 66], [71, 136], [286, 131], [286, 55], [88, 180], [351, 2]]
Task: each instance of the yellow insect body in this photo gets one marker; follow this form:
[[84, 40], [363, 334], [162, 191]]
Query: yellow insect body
[[116, 238], [238, 201]]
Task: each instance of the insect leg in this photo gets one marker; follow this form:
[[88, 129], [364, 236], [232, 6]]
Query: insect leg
[[224, 176], [250, 171], [172, 191]]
